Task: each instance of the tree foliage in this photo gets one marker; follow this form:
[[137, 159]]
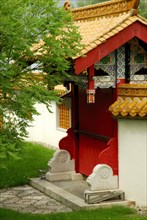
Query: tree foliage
[[143, 8], [81, 3], [37, 38]]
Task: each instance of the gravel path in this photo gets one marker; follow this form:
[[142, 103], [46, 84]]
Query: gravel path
[[27, 199]]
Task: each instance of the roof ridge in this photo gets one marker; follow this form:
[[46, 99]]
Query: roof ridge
[[105, 8]]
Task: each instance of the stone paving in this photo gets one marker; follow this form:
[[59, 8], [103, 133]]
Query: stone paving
[[27, 199]]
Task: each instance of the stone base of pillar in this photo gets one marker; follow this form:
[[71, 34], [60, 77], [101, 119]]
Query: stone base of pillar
[[59, 176], [61, 167], [71, 175], [102, 178]]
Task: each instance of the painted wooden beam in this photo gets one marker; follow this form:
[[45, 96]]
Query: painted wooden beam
[[136, 29]]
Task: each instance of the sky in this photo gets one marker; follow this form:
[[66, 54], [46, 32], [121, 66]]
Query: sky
[[72, 2]]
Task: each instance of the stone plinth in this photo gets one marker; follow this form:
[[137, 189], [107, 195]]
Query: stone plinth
[[61, 162], [61, 167], [102, 178]]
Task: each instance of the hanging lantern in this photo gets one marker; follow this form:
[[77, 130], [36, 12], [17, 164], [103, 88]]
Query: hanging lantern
[[90, 95], [90, 87]]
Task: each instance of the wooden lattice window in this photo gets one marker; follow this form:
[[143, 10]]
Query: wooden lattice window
[[63, 116]]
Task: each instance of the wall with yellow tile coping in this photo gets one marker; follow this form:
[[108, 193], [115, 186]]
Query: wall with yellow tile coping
[[131, 101], [132, 148]]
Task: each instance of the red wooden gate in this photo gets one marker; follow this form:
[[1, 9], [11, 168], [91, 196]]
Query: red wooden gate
[[96, 128], [92, 138]]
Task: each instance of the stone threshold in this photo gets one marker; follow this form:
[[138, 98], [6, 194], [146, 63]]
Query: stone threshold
[[68, 198]]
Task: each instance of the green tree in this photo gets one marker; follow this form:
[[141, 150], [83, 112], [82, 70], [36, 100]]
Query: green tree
[[143, 8], [81, 3], [35, 36]]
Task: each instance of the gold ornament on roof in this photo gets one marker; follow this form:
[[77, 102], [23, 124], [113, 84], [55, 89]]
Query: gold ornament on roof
[[67, 5]]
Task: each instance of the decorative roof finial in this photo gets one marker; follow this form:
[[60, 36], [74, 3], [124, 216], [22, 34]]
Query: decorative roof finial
[[67, 5]]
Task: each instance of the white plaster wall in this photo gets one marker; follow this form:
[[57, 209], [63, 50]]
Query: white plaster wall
[[44, 127], [132, 136]]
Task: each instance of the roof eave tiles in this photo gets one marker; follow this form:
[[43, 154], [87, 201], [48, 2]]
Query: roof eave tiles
[[131, 102]]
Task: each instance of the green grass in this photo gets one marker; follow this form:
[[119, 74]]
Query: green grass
[[32, 158], [35, 157], [114, 213]]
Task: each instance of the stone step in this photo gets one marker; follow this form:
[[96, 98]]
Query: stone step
[[68, 198]]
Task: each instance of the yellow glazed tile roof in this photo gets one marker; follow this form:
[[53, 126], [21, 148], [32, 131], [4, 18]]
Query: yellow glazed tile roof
[[131, 101], [97, 23]]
